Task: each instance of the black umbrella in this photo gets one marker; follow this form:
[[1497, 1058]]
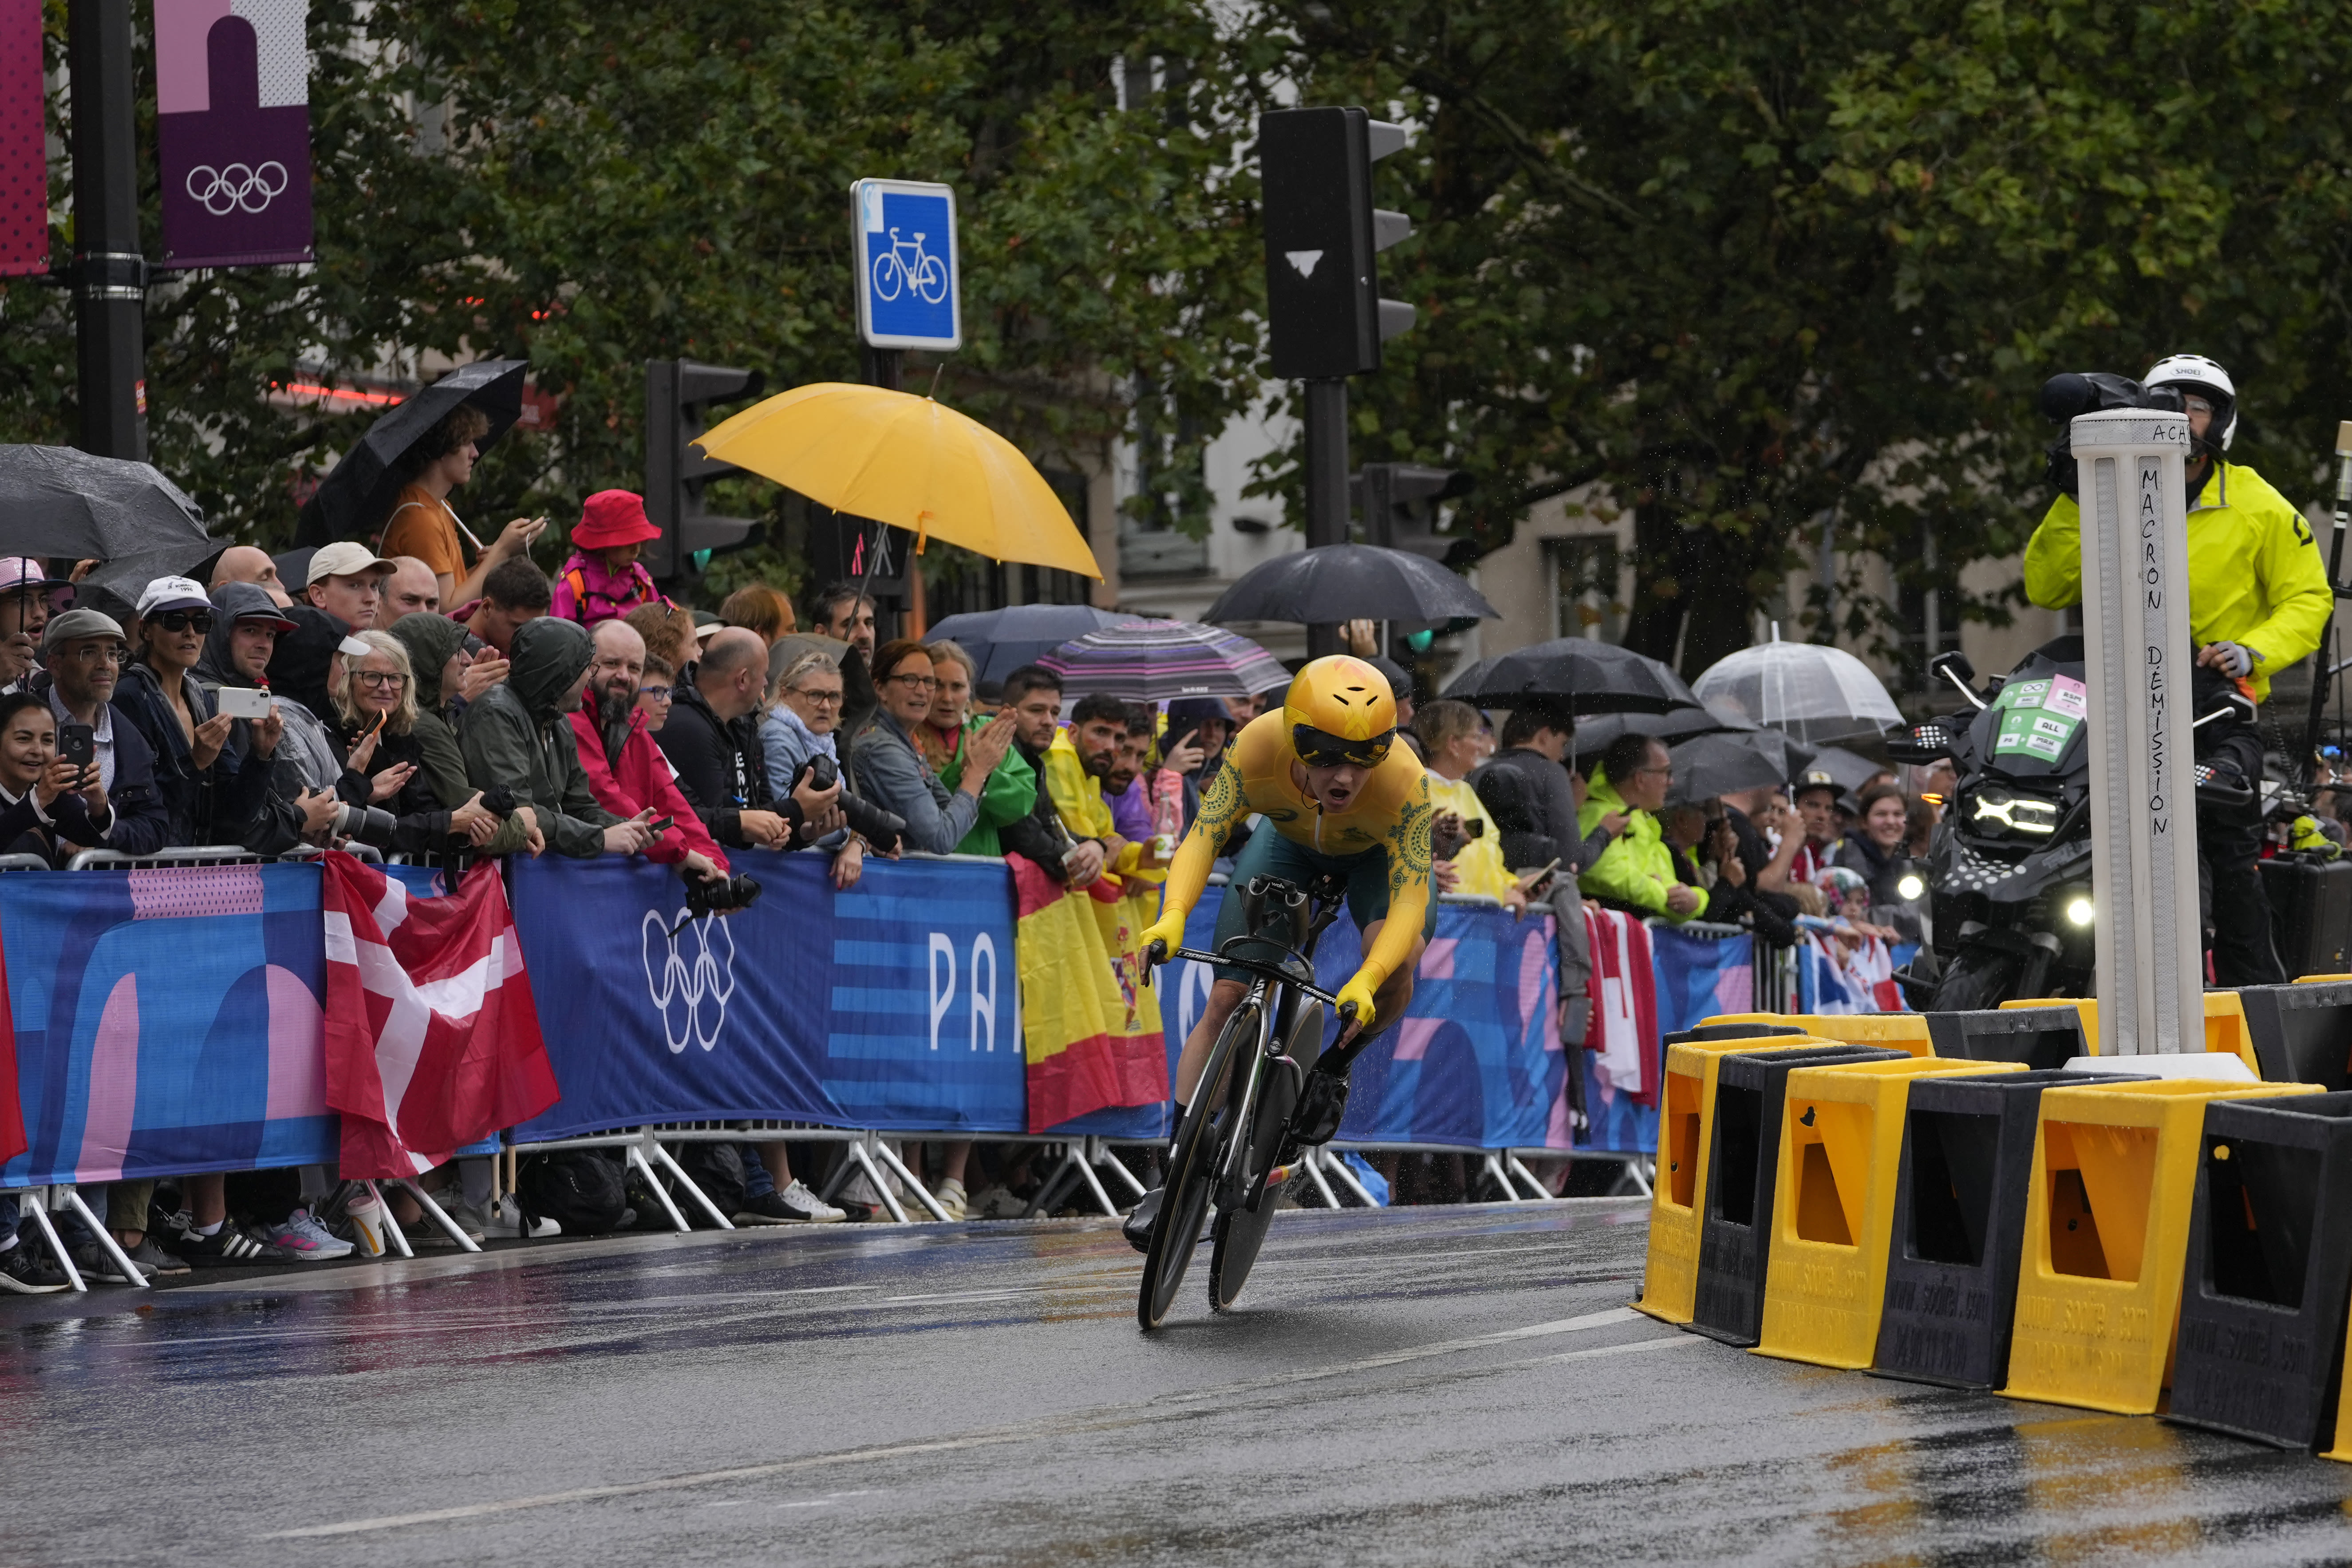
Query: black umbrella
[[358, 495], [1583, 675], [1727, 763], [1002, 641], [1593, 734], [1336, 583], [70, 506]]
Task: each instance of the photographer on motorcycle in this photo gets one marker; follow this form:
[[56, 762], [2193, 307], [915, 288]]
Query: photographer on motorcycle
[[2258, 602]]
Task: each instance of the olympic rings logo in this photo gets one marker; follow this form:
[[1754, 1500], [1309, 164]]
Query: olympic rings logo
[[223, 191], [691, 994]]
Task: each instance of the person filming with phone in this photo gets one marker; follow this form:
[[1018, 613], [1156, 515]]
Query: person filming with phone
[[83, 652]]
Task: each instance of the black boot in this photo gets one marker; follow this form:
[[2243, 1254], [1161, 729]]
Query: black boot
[[1142, 1219]]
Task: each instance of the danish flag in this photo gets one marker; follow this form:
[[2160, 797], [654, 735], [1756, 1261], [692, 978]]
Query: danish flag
[[432, 1039]]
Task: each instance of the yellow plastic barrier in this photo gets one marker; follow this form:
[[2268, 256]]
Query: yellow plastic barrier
[[2106, 1239], [1686, 1135], [1834, 1212], [1895, 1031], [2225, 1022]]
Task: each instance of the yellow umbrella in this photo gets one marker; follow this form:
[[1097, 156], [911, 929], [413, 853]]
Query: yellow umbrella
[[906, 460]]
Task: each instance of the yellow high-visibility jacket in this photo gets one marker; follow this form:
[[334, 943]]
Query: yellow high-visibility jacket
[[2255, 576]]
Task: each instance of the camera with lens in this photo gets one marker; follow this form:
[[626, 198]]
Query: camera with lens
[[2093, 392], [880, 829], [718, 895], [370, 824]]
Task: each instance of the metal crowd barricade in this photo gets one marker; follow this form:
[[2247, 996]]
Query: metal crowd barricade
[[65, 1197]]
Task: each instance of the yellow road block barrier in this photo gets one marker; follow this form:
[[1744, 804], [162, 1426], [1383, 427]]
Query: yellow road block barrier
[[2225, 1023], [1834, 1216], [1895, 1031], [2106, 1240], [1686, 1138]]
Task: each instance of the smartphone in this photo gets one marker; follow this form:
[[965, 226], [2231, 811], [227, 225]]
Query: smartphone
[[1477, 826], [78, 743], [243, 702], [660, 826]]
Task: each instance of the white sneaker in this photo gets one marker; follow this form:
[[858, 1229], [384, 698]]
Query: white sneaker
[[305, 1238], [804, 1205], [950, 1197], [505, 1219]]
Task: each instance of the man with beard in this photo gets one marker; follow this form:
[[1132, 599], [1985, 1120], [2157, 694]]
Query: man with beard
[[513, 735], [625, 770], [1080, 759]]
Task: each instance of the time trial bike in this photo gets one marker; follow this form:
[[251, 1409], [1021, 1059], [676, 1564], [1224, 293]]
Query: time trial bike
[[1234, 1149]]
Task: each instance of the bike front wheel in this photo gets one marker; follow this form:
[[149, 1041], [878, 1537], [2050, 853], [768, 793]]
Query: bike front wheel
[[1192, 1167], [1241, 1229]]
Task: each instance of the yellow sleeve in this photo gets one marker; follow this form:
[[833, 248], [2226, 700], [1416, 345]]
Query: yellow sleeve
[[1408, 846], [1224, 805], [2053, 557], [2295, 585]]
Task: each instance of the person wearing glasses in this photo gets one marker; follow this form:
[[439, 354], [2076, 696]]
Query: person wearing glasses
[[212, 792], [891, 773], [2258, 603], [1343, 799], [1636, 872], [82, 653], [375, 730]]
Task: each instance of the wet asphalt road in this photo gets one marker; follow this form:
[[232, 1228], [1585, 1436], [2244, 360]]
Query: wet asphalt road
[[1434, 1385]]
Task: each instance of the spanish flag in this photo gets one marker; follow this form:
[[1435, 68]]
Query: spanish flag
[[1091, 1026]]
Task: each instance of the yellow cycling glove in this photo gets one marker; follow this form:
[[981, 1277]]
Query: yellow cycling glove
[[1359, 991]]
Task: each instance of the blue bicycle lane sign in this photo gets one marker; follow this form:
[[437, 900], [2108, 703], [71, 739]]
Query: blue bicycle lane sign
[[909, 293]]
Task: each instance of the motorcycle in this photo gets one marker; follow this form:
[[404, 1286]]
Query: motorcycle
[[2009, 868]]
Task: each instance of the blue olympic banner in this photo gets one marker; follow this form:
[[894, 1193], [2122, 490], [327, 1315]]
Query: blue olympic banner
[[892, 1006], [167, 1022], [1475, 1063]]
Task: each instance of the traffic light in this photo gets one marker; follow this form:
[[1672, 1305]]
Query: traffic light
[[1398, 502], [679, 393], [1322, 289]]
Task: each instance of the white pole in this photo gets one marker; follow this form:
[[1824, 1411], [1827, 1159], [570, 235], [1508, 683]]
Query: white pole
[[2143, 788]]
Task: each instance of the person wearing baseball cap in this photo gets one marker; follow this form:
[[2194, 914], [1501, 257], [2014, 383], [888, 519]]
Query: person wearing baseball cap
[[212, 796], [28, 597], [346, 581], [1816, 795], [602, 580], [82, 653]]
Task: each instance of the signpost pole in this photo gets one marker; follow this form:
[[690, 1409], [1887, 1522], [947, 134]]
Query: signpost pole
[[110, 272], [2134, 535], [1326, 487]]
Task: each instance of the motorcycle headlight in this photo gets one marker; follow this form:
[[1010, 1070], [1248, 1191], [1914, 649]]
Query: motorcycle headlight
[[1910, 886], [2005, 814], [2080, 911]]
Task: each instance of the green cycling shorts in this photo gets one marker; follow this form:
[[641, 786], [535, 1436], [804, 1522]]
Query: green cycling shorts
[[1269, 854]]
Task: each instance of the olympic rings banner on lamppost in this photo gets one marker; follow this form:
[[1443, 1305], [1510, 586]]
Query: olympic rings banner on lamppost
[[233, 130]]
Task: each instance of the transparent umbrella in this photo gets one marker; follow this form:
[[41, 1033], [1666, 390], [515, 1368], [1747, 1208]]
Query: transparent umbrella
[[1805, 689]]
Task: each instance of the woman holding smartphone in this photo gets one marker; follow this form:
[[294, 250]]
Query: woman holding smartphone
[[42, 795], [375, 730]]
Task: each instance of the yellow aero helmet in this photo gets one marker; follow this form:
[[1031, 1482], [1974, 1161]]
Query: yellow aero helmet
[[1338, 710]]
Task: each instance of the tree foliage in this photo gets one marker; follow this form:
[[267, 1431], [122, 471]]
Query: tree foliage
[[1751, 270]]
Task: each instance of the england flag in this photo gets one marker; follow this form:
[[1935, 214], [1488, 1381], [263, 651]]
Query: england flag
[[432, 1038]]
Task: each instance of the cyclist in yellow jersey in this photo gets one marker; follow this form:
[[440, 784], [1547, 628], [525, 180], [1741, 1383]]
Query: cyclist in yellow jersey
[[1342, 799]]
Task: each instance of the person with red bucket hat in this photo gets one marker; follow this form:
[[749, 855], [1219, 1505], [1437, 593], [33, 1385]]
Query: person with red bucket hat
[[602, 580]]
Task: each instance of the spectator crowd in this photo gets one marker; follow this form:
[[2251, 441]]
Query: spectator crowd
[[414, 703]]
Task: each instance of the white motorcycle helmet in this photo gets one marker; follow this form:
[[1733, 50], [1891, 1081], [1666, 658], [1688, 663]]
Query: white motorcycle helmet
[[2187, 371]]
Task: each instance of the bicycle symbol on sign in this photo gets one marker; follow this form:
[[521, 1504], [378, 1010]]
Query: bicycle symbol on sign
[[905, 265]]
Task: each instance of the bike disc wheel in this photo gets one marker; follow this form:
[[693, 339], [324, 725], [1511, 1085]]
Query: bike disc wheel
[[1192, 1180]]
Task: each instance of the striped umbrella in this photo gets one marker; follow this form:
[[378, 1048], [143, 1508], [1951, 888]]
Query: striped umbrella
[[1158, 661]]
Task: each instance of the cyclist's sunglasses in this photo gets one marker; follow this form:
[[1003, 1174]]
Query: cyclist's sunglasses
[[181, 620], [1321, 749]]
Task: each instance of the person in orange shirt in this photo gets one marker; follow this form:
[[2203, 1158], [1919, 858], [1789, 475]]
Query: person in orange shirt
[[422, 523]]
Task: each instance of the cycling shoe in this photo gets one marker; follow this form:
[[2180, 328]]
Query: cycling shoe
[[1322, 1104], [1141, 1223]]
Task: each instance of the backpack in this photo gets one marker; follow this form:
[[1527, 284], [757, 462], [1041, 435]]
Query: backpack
[[579, 1189], [717, 1170]]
